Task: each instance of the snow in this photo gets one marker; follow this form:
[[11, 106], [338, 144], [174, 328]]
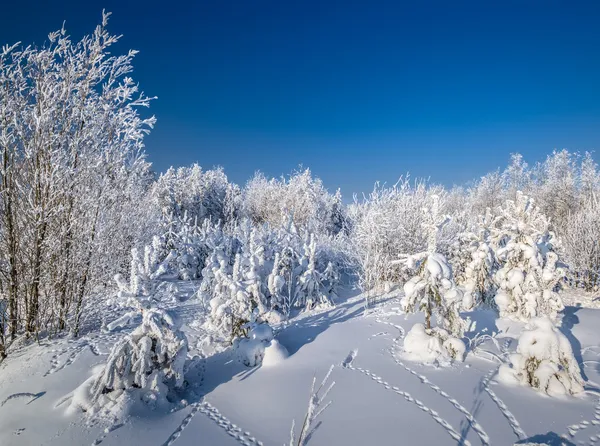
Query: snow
[[228, 403], [274, 354]]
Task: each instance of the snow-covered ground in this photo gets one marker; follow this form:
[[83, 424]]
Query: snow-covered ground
[[379, 397]]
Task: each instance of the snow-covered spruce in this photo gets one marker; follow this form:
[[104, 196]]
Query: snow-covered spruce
[[309, 292], [148, 364], [544, 360], [142, 288], [530, 271], [433, 291], [478, 275]]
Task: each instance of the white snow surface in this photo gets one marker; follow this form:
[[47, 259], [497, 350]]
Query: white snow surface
[[378, 398]]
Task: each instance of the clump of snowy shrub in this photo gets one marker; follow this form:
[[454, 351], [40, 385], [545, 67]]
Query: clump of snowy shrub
[[530, 271], [150, 361], [314, 209], [434, 345], [581, 244], [544, 361]]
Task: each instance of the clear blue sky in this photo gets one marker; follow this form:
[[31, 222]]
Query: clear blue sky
[[358, 91]]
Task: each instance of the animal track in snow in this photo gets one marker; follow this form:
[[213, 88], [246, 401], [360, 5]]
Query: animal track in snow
[[483, 436], [243, 437], [512, 421], [55, 365], [432, 413], [574, 429], [107, 431]]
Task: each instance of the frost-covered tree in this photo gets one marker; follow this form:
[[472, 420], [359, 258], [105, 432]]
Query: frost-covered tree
[[194, 192], [581, 244], [384, 225], [544, 360], [301, 195], [73, 174], [529, 270]]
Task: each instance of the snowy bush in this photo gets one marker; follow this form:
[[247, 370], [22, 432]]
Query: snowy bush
[[544, 360], [150, 360], [530, 271], [433, 346]]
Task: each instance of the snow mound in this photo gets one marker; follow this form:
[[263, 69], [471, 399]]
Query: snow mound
[[251, 350], [261, 332], [432, 346], [274, 354], [544, 361]]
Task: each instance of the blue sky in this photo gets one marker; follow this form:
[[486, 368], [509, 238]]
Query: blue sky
[[357, 91]]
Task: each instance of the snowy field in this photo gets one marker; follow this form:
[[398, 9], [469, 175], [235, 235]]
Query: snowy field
[[379, 397]]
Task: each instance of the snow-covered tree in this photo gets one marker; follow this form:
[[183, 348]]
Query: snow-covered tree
[[529, 272], [309, 292], [478, 276], [313, 208], [150, 359], [276, 284], [432, 289], [544, 360]]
